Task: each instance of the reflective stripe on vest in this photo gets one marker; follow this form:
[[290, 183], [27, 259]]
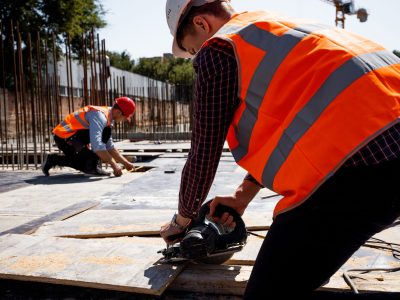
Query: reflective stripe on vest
[[66, 127], [338, 81], [280, 138], [84, 123]]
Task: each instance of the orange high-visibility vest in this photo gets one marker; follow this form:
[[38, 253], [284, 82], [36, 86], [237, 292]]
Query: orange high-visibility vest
[[77, 121], [311, 96]]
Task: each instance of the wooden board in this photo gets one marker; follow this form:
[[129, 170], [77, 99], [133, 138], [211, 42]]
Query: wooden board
[[129, 222], [109, 223], [232, 280], [138, 153], [228, 280], [377, 281], [123, 264], [215, 279], [62, 214], [250, 251], [8, 222], [391, 235]]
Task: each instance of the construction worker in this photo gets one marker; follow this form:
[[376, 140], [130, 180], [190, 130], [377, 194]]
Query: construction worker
[[311, 112], [90, 125]]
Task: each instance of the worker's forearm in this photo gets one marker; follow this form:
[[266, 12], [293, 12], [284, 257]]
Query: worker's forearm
[[118, 157], [105, 157], [247, 191]]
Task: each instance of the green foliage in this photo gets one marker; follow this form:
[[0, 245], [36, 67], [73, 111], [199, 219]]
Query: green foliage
[[73, 17], [48, 18], [121, 61], [173, 70], [396, 52]]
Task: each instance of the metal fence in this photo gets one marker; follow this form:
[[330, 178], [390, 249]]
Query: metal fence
[[41, 87]]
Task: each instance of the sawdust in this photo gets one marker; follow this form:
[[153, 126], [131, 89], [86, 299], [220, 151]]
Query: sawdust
[[53, 262], [111, 260]]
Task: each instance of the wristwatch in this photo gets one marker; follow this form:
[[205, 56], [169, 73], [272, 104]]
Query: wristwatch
[[175, 224]]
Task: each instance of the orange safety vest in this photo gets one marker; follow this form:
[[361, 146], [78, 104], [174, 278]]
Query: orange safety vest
[[76, 121], [311, 96]]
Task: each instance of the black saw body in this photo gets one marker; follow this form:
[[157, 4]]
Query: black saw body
[[205, 241]]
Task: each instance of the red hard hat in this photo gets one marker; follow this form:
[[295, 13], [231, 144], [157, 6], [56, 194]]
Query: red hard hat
[[127, 106]]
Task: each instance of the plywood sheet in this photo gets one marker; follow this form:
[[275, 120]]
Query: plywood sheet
[[250, 251], [123, 264], [109, 223], [377, 281], [129, 222], [228, 280], [62, 214]]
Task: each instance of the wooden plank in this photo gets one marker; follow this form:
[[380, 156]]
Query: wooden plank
[[228, 280], [109, 223], [123, 264], [391, 235], [250, 251], [129, 222], [63, 214], [138, 153], [215, 279], [257, 220], [377, 281], [10, 221]]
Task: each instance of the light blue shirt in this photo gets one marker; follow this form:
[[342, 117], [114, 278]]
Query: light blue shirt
[[97, 122]]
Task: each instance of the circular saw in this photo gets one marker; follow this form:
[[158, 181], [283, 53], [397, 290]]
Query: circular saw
[[205, 241]]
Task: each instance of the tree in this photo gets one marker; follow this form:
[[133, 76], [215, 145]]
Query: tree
[[173, 70], [396, 52], [121, 61], [46, 17], [73, 17]]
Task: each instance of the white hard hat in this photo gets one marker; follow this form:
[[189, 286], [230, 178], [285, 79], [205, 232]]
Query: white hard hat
[[175, 9]]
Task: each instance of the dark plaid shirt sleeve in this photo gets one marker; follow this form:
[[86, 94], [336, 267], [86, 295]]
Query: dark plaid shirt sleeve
[[215, 103]]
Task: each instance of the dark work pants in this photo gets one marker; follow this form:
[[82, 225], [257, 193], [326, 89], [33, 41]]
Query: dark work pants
[[77, 153], [307, 245]]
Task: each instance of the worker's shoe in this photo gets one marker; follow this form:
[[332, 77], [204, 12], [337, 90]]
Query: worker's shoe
[[47, 164]]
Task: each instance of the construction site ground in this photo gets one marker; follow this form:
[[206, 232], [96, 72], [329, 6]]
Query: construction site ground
[[70, 236]]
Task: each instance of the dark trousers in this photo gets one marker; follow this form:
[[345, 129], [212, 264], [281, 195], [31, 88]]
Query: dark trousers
[[77, 153], [307, 245]]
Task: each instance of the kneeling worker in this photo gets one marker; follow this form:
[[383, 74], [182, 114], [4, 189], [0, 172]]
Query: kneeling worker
[[90, 125]]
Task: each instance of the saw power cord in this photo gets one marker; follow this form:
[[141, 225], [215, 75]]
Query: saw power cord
[[375, 244]]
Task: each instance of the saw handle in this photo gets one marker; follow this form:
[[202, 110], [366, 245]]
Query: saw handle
[[240, 228]]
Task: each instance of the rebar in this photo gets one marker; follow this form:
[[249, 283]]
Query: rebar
[[38, 88]]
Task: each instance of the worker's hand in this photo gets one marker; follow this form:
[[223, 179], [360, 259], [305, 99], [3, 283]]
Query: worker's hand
[[117, 170], [168, 230], [226, 219], [129, 166], [238, 201]]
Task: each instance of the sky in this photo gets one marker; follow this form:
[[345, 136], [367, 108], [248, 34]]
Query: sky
[[140, 28]]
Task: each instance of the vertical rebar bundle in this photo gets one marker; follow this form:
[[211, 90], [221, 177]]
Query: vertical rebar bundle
[[40, 85]]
